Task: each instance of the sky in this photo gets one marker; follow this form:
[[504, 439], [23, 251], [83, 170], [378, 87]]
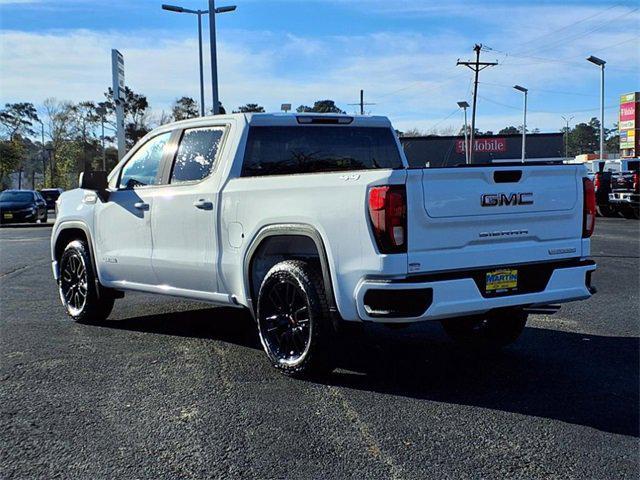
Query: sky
[[403, 54]]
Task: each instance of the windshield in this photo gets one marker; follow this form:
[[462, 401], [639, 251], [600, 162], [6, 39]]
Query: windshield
[[16, 197], [290, 150]]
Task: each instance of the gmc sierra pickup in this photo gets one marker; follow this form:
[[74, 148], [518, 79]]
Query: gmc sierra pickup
[[311, 221]]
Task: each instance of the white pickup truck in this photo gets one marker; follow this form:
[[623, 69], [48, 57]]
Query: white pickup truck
[[309, 221]]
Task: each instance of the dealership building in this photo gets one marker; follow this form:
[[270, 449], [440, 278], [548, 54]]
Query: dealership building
[[449, 151]]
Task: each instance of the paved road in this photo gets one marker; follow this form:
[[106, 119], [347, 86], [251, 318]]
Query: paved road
[[176, 389]]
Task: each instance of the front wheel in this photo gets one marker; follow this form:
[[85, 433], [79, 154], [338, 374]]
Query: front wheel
[[294, 321], [490, 331], [82, 296]]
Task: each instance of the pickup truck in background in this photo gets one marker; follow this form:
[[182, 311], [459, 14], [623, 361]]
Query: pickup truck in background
[[313, 221], [624, 194]]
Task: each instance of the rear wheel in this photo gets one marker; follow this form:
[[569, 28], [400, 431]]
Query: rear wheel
[[82, 296], [294, 321], [607, 211], [490, 331]]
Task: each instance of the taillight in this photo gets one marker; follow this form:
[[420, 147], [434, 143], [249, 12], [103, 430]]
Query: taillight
[[596, 182], [388, 214], [636, 182], [589, 208]]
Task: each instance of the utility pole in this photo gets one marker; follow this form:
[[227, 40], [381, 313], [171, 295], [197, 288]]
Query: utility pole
[[476, 67], [566, 135], [362, 102]]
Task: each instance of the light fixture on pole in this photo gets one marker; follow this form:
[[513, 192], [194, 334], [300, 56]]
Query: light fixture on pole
[[524, 120], [214, 58], [464, 105], [199, 13], [600, 63]]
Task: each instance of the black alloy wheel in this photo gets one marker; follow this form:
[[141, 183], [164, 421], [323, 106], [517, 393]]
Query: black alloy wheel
[[294, 319], [73, 283], [81, 294]]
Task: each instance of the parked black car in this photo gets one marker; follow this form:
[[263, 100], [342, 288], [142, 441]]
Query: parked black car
[[51, 195], [18, 206]]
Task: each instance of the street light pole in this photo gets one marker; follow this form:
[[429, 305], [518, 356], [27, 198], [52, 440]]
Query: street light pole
[[600, 63], [199, 13], [524, 121], [214, 57], [464, 105]]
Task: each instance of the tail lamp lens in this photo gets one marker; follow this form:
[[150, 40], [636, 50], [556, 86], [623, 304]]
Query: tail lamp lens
[[388, 215], [596, 182], [589, 208]]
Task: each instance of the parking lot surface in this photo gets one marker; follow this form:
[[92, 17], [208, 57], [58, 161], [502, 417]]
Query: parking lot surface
[[174, 389]]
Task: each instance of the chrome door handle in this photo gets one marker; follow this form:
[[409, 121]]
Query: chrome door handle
[[203, 204], [141, 206]]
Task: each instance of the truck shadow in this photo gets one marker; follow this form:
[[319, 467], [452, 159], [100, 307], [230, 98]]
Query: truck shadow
[[582, 379]]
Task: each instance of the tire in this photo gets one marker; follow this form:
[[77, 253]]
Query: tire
[[83, 298], [606, 211], [487, 332], [294, 321], [631, 212]]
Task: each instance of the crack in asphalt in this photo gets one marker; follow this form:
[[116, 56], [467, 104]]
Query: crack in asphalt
[[19, 270], [373, 446]]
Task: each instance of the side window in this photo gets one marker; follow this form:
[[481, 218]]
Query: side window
[[196, 154], [142, 167]]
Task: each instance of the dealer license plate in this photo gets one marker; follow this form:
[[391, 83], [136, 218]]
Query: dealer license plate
[[7, 216], [501, 280]]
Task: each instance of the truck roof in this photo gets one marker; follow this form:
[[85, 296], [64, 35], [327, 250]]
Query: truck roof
[[284, 119]]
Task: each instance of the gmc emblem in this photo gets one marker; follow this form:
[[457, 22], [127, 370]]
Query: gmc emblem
[[500, 199]]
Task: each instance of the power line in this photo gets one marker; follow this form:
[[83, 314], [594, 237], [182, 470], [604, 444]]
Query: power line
[[542, 90], [569, 25], [544, 111]]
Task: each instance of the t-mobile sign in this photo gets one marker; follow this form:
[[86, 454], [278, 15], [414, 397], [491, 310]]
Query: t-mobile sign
[[484, 145]]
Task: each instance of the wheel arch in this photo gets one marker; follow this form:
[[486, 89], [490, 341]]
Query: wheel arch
[[300, 240], [67, 232]]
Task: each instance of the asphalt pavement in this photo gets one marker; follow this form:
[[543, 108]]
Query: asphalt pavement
[[174, 389]]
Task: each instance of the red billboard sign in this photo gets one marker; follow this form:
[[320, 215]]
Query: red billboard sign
[[486, 145]]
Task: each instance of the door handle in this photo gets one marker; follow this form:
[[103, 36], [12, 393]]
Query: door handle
[[203, 204], [141, 206]]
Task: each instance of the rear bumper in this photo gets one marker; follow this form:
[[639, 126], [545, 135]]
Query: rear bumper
[[624, 198], [460, 295]]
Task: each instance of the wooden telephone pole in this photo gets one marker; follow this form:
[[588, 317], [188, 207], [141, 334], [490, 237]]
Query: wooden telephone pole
[[476, 66], [362, 102]]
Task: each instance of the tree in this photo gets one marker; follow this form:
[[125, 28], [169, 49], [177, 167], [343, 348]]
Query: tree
[[136, 114], [612, 143], [509, 131], [250, 107], [18, 119], [583, 139], [321, 106], [184, 108], [10, 157], [412, 132]]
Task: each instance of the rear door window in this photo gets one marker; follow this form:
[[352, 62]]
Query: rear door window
[[196, 155], [292, 150]]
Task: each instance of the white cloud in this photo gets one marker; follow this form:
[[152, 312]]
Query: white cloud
[[411, 76]]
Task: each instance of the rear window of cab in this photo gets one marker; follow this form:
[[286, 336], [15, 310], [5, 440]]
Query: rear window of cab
[[312, 149]]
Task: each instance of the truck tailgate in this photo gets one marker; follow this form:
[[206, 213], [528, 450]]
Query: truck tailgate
[[469, 217]]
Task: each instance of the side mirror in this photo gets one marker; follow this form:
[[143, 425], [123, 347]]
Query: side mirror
[[96, 180]]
